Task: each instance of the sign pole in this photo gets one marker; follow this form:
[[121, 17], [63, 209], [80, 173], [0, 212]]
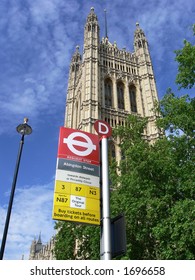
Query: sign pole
[[106, 222], [104, 130]]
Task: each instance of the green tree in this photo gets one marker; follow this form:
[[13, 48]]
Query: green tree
[[177, 113], [155, 188], [186, 64], [65, 241], [74, 241]]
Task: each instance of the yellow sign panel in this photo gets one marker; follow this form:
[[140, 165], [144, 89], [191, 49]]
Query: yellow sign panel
[[76, 202], [75, 215]]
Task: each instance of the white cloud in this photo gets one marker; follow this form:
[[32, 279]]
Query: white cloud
[[36, 49], [31, 214]]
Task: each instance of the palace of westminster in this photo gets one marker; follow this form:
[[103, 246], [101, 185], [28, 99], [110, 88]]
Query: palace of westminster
[[106, 83]]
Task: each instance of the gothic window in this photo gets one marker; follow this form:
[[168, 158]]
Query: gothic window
[[139, 44], [132, 94], [120, 94], [76, 114], [111, 152], [108, 92], [93, 27]]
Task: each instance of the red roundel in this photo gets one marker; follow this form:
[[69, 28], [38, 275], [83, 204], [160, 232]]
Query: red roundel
[[78, 145], [103, 128]]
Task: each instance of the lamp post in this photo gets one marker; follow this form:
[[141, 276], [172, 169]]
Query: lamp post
[[23, 129]]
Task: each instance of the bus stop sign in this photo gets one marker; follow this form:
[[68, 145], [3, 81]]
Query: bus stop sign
[[103, 128]]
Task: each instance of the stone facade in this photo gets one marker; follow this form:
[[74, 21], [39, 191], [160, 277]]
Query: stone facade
[[109, 83], [38, 251]]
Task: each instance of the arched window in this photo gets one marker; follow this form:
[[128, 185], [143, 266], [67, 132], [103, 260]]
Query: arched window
[[76, 115], [132, 95], [120, 94], [108, 92], [139, 44], [111, 152]]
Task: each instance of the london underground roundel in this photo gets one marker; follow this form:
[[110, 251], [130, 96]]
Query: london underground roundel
[[78, 145]]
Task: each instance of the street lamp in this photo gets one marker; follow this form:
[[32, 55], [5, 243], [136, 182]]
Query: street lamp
[[23, 129]]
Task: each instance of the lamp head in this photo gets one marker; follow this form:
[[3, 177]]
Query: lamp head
[[24, 128]]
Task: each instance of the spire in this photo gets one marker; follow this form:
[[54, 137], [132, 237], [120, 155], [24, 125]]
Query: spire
[[106, 30], [39, 240]]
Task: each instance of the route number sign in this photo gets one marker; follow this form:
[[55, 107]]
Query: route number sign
[[103, 128]]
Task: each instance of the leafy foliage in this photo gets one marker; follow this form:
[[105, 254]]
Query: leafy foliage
[[75, 241], [177, 113], [186, 64], [156, 189]]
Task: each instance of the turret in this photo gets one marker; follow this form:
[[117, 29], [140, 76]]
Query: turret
[[147, 81], [32, 250], [90, 85], [75, 68], [76, 61], [91, 34], [140, 40]]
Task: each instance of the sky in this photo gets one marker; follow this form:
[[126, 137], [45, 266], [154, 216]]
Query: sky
[[38, 39]]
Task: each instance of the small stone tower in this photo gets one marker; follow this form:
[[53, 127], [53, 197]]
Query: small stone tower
[[38, 251], [35, 248]]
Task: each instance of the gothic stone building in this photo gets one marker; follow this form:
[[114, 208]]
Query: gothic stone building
[[108, 83], [39, 251]]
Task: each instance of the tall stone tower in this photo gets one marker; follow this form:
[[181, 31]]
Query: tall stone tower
[[109, 83]]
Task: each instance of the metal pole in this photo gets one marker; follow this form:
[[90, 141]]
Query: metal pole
[[11, 198], [106, 223], [106, 31]]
